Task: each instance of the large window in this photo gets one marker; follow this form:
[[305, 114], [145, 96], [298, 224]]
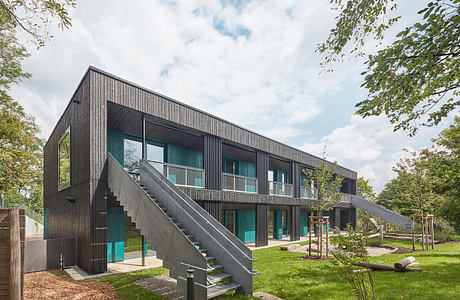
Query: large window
[[64, 160]]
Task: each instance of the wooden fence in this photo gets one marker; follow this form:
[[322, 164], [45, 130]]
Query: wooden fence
[[12, 234]]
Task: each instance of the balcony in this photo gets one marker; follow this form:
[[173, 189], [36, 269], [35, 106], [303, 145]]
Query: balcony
[[180, 175], [280, 188], [232, 182], [308, 193]]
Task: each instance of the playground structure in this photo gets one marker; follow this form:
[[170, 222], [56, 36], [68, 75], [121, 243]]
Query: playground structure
[[372, 229], [321, 221], [427, 224]]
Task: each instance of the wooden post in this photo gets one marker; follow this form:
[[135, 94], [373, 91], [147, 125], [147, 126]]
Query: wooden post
[[427, 234], [327, 237], [423, 232], [432, 233], [309, 234], [15, 255], [321, 238], [413, 237]]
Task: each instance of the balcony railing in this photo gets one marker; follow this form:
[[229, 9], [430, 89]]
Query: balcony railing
[[280, 188], [232, 182], [308, 193], [179, 174]]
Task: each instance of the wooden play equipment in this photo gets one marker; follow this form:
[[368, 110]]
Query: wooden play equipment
[[372, 229], [320, 220], [427, 222]]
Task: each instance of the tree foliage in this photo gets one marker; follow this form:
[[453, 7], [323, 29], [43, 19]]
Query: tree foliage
[[35, 17], [21, 157], [416, 80], [364, 190], [326, 184], [429, 181]]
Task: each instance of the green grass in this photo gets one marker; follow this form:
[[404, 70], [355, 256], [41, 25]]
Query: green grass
[[285, 275]]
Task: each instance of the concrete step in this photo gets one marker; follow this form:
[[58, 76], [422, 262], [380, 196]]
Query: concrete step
[[213, 268]]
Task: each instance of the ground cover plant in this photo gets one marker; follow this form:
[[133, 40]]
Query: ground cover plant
[[285, 275]]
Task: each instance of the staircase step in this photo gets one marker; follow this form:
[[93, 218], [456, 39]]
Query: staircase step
[[213, 268], [190, 237], [215, 278], [210, 258], [184, 230], [203, 250], [196, 243], [222, 289]]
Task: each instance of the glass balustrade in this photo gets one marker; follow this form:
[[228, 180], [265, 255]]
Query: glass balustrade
[[232, 182], [179, 174], [280, 188]]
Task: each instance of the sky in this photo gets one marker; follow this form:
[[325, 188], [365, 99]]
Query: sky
[[250, 62]]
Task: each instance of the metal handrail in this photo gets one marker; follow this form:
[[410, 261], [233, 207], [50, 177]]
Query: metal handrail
[[246, 179]]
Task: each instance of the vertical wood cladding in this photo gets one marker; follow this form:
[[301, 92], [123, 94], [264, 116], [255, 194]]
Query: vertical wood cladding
[[130, 95], [261, 225], [295, 175], [214, 208], [212, 162], [68, 219], [262, 172], [294, 223], [353, 187]]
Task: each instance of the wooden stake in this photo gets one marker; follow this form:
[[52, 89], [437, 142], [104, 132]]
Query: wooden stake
[[309, 234], [432, 234], [321, 239], [423, 232], [327, 237], [15, 255], [413, 237]]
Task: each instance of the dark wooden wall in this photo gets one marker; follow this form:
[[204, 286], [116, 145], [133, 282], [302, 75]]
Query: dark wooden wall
[[214, 208], [212, 162], [262, 172], [294, 223], [261, 225], [295, 175], [117, 90]]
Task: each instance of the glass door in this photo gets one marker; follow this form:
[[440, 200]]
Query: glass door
[[230, 220]]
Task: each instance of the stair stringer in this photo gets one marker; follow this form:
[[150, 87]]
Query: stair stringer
[[381, 212], [167, 239], [228, 250]]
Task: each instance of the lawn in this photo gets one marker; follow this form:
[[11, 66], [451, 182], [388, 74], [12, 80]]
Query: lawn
[[285, 275]]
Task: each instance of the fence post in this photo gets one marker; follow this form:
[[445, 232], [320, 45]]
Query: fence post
[[15, 255], [3, 200], [190, 285]]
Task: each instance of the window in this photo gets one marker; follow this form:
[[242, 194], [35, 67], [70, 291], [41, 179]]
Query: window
[[64, 160]]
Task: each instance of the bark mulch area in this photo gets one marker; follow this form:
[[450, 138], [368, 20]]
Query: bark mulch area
[[45, 285]]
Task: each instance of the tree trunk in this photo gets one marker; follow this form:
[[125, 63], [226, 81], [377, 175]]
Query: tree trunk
[[404, 262]]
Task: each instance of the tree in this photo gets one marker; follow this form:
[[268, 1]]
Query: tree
[[413, 190], [364, 190], [326, 184], [21, 157], [417, 78]]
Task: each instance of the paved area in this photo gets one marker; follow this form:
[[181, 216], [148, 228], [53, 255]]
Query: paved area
[[128, 265], [162, 285], [272, 243]]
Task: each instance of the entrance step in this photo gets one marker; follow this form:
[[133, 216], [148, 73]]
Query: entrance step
[[222, 289]]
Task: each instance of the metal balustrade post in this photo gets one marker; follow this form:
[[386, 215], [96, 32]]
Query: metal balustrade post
[[190, 285], [186, 177]]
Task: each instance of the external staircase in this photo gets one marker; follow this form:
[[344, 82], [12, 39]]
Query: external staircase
[[381, 212], [181, 232]]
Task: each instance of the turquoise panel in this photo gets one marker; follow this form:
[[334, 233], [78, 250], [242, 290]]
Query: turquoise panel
[[247, 169], [46, 223], [184, 156], [115, 144], [327, 213], [115, 234], [246, 225], [277, 224], [304, 222]]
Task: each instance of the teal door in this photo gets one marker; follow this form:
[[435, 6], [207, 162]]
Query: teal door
[[115, 234]]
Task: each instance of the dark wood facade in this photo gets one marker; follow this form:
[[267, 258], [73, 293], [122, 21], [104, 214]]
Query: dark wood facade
[[88, 118]]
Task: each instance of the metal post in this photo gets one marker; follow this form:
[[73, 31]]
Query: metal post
[[190, 285], [144, 156], [143, 251]]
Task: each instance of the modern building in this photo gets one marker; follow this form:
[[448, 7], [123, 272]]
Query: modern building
[[102, 183]]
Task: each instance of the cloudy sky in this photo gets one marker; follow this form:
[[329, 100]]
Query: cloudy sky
[[250, 62]]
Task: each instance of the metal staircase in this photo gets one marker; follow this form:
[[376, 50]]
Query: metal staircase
[[381, 212], [182, 233]]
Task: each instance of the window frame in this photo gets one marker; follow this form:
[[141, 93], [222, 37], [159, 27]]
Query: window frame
[[66, 133]]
